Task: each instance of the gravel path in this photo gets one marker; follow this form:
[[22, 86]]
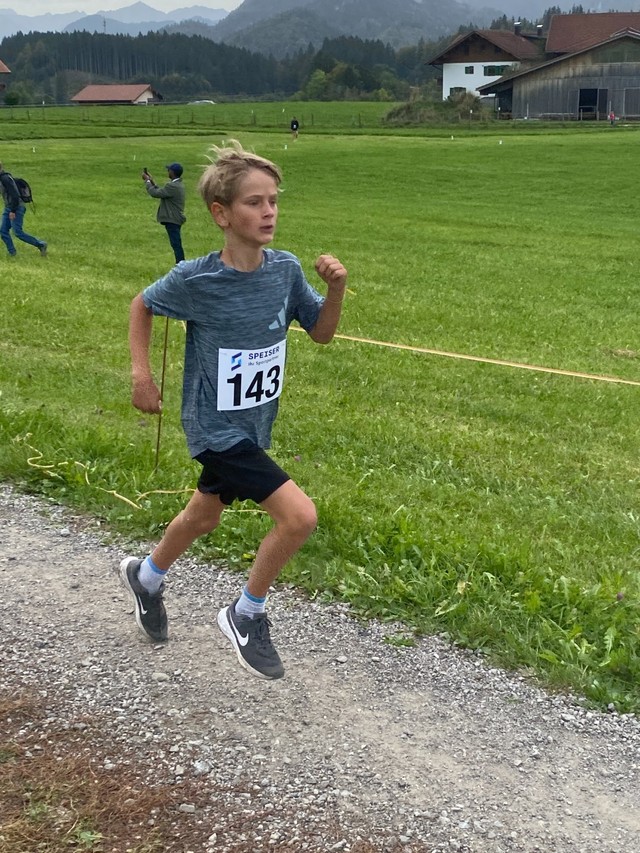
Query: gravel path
[[416, 749]]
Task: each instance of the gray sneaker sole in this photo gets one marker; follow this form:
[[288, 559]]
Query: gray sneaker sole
[[124, 580]]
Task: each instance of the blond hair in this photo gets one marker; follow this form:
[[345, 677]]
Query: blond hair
[[229, 164]]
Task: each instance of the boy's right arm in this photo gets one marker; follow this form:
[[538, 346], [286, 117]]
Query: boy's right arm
[[144, 393]]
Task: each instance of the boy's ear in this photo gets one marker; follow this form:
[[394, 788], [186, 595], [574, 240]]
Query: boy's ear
[[219, 214]]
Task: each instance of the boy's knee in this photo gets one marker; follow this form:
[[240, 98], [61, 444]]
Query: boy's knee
[[305, 517]]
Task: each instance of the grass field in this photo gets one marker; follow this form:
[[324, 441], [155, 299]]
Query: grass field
[[189, 120], [495, 505]]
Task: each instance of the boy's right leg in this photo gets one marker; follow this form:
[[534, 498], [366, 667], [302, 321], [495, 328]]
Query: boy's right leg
[[200, 516]]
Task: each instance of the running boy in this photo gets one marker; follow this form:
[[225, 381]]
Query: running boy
[[238, 304]]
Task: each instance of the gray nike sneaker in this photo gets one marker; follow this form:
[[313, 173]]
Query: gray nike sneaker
[[150, 613], [252, 642]]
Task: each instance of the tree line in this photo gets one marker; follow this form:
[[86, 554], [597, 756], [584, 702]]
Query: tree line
[[53, 67], [506, 23]]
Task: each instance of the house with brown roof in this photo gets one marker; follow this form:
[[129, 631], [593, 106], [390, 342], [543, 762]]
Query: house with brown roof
[[473, 59], [590, 69], [140, 93], [3, 70]]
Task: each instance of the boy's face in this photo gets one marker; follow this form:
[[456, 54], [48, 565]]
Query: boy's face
[[251, 217]]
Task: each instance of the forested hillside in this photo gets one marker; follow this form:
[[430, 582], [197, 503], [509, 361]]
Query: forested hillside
[[52, 67], [285, 35], [398, 22]]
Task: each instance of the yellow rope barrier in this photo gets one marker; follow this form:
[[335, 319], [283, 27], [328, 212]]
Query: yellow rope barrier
[[34, 461], [498, 361]]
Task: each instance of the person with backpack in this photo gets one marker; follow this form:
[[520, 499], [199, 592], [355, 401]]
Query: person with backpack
[[13, 216]]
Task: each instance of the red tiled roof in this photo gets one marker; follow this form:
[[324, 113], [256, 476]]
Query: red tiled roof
[[111, 92], [3, 68], [568, 33], [518, 46]]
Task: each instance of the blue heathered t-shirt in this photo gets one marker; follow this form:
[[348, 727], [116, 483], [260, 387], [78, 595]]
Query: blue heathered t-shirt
[[247, 314]]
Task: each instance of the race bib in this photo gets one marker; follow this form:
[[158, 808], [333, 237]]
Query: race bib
[[250, 377]]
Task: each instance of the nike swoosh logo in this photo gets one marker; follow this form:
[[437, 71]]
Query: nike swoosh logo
[[242, 640], [142, 610]]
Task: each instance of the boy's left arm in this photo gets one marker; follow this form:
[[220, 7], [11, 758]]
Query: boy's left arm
[[334, 275]]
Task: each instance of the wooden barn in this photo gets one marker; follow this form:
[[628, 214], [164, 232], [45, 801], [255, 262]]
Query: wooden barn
[[590, 81], [140, 93]]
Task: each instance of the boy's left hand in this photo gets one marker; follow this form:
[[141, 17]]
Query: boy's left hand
[[331, 271]]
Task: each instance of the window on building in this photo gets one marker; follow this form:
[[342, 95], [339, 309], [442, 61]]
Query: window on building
[[495, 70], [468, 69], [457, 90]]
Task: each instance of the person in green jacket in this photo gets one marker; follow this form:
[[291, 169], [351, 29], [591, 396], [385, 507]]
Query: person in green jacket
[[171, 209]]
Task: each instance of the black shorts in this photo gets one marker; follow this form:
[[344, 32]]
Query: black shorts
[[244, 472]]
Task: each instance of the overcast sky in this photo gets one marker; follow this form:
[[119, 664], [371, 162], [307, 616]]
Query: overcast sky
[[90, 7]]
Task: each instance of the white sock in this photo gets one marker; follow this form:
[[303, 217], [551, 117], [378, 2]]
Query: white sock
[[250, 605], [150, 576]]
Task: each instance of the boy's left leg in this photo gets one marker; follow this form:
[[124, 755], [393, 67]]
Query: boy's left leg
[[295, 520]]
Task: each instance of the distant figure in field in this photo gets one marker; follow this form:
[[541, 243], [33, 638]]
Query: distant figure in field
[[612, 118], [295, 126], [171, 209], [13, 216]]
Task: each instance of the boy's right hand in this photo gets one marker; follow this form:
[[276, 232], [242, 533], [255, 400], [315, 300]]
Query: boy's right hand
[[145, 396]]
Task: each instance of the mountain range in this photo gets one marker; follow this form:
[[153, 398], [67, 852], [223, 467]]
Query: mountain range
[[130, 20], [397, 22], [282, 27]]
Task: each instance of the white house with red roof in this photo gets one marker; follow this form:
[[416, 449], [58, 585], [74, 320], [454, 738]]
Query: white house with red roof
[[474, 59]]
